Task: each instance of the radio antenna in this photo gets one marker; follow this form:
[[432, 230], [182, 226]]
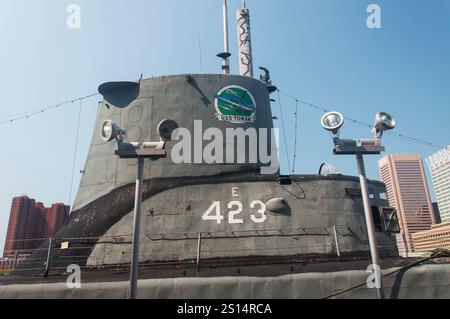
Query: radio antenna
[[225, 56]]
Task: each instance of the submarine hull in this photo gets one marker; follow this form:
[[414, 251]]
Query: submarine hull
[[194, 210]]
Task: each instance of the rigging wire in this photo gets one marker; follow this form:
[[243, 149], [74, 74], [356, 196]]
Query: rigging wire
[[27, 115], [200, 50], [284, 131], [398, 135], [296, 136], [75, 151]]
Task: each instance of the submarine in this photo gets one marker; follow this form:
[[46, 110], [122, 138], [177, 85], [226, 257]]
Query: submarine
[[218, 219]]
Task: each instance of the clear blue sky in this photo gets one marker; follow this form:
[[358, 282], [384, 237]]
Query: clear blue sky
[[318, 50]]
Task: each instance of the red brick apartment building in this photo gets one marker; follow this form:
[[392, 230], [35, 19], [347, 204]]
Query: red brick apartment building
[[30, 223]]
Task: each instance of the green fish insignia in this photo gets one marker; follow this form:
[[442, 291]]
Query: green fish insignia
[[236, 105]]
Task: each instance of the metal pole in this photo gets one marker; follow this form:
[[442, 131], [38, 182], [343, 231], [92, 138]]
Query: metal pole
[[16, 255], [405, 245], [226, 44], [338, 250], [49, 258], [136, 229], [199, 248], [370, 226]]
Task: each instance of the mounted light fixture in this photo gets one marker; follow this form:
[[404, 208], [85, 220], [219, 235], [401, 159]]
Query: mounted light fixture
[[383, 122], [333, 121], [111, 131], [166, 128]]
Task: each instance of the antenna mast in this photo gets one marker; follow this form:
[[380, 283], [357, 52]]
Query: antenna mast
[[226, 43], [244, 41]]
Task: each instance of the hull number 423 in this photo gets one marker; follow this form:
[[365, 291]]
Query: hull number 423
[[234, 214]]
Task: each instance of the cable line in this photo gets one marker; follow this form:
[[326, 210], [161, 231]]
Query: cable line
[[284, 130], [27, 115], [75, 151], [398, 135], [296, 135]]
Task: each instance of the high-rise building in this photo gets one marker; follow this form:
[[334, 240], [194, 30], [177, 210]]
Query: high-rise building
[[55, 217], [430, 240], [439, 165], [407, 190], [20, 210], [437, 214], [30, 223]]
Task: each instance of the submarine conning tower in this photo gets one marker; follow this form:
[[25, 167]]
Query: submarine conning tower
[[233, 209], [194, 102]]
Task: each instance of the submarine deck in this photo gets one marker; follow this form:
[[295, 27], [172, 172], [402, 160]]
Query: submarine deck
[[430, 280], [147, 271]]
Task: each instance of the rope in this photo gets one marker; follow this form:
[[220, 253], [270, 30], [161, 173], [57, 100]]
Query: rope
[[439, 253]]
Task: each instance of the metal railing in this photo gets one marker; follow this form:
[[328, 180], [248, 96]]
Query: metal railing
[[187, 249]]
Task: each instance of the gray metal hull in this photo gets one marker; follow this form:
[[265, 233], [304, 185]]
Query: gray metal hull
[[204, 231], [172, 222], [322, 216], [425, 282]]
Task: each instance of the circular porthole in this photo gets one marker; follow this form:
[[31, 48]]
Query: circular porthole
[[166, 128], [135, 113]]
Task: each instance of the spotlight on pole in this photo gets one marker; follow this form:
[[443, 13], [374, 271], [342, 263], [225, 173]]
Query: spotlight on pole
[[383, 122], [333, 122], [110, 131]]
